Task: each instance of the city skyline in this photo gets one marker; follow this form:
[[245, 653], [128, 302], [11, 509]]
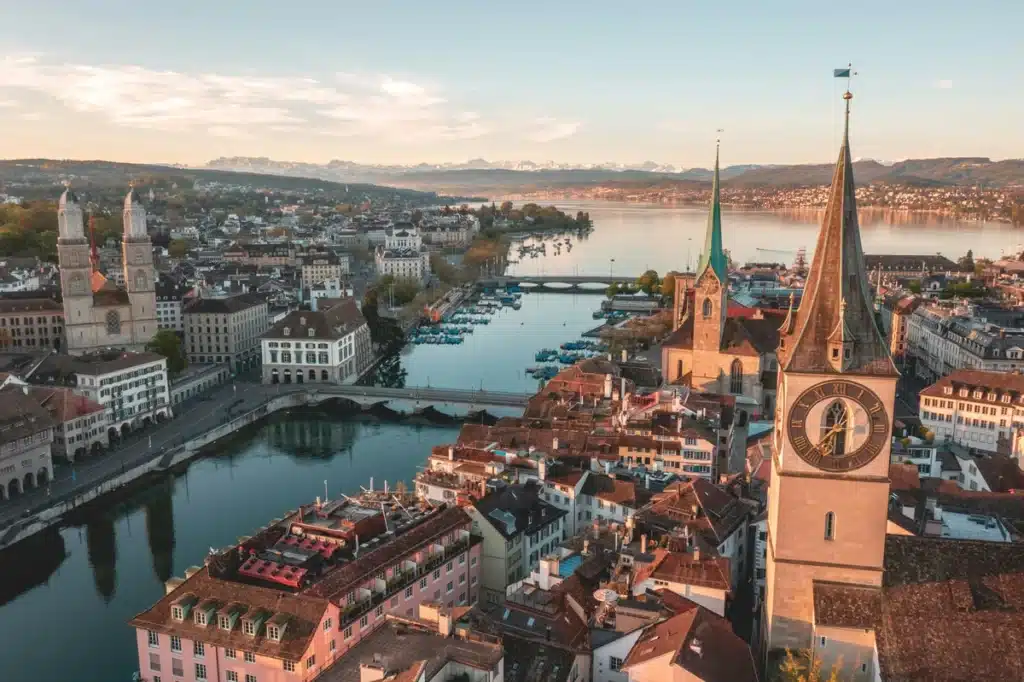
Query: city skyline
[[403, 84]]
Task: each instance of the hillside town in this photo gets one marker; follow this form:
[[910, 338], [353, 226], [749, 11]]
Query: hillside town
[[801, 473]]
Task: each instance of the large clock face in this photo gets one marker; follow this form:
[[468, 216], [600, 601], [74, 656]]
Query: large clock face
[[838, 426]]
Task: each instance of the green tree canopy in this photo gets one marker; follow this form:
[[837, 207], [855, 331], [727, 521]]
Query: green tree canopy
[[168, 344], [178, 248], [648, 282]]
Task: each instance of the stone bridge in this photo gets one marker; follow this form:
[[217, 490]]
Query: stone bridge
[[372, 395], [574, 283]]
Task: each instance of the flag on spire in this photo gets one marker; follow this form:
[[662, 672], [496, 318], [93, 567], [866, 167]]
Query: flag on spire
[[841, 73]]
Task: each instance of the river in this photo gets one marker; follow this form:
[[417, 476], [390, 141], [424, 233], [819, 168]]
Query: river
[[102, 573]]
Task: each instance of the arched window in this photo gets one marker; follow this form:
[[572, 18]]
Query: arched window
[[736, 377], [113, 322], [706, 308], [835, 426], [140, 280], [830, 525]]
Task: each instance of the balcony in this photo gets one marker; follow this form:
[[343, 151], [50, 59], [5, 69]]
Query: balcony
[[404, 579]]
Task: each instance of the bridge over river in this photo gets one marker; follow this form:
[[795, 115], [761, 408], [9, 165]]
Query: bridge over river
[[575, 283]]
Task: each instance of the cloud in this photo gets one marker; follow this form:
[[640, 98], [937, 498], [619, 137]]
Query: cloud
[[226, 105], [547, 129], [945, 85]]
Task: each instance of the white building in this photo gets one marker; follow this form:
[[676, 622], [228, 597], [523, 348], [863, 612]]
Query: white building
[[170, 299], [80, 424], [328, 289], [319, 269], [409, 263], [315, 347], [403, 236], [131, 387], [981, 410], [588, 496]]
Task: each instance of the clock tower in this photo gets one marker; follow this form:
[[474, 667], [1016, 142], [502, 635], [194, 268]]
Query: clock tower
[[829, 490]]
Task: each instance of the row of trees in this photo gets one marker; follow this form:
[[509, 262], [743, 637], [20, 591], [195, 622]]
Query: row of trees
[[649, 283]]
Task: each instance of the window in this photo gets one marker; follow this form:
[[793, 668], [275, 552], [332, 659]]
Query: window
[[834, 428], [450, 567], [249, 628], [736, 377], [830, 526], [198, 648], [311, 661], [363, 622], [154, 638], [706, 308], [230, 653], [328, 624], [379, 611], [177, 613], [408, 592], [289, 667], [154, 662], [274, 633], [249, 677], [451, 587], [437, 574], [334, 645], [347, 633], [423, 583], [200, 671], [231, 676], [614, 663], [175, 643], [249, 657], [823, 641]]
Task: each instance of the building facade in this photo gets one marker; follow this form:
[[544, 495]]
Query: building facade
[[98, 313], [80, 424], [943, 340], [315, 347], [317, 269], [226, 330], [26, 435], [170, 301], [31, 324], [982, 411]]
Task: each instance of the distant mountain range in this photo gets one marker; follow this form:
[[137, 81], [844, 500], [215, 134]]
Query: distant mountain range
[[480, 175]]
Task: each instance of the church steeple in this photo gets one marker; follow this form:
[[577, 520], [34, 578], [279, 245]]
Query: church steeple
[[834, 328], [713, 255]]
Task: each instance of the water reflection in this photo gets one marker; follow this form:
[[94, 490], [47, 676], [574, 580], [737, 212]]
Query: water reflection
[[315, 437], [159, 509], [30, 564], [101, 546]]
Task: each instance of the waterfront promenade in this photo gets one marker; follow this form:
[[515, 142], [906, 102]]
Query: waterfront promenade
[[201, 415]]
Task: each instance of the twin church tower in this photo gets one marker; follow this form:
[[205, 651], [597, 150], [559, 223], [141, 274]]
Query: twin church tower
[[835, 392], [99, 314]]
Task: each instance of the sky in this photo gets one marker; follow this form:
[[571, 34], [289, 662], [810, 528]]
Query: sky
[[410, 81]]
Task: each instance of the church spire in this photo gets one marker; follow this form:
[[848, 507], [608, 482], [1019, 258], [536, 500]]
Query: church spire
[[713, 255], [835, 328]]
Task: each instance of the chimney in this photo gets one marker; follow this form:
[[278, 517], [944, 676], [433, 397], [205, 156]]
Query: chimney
[[696, 553], [643, 543], [371, 672], [625, 355], [554, 444], [679, 423], [542, 469], [444, 622], [451, 453]]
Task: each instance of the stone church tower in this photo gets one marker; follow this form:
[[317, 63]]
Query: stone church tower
[[829, 490], [98, 314], [711, 289]]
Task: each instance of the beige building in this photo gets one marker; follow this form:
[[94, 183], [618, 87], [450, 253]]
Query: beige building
[[98, 313], [80, 424], [316, 347], [226, 330], [982, 411], [26, 434], [715, 347], [317, 269], [31, 324]]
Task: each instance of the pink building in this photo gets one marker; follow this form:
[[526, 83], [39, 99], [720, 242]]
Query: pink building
[[285, 604]]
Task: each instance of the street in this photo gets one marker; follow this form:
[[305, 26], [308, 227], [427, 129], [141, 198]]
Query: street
[[191, 419]]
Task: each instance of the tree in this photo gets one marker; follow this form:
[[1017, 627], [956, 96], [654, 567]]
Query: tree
[[804, 667], [966, 263], [178, 248], [648, 282], [612, 290], [668, 284], [506, 208], [168, 344], [730, 265]]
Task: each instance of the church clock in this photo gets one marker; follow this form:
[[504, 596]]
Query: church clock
[[838, 426]]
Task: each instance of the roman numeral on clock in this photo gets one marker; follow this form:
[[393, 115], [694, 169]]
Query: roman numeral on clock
[[878, 427]]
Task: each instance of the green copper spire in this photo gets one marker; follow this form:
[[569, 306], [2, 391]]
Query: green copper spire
[[713, 256]]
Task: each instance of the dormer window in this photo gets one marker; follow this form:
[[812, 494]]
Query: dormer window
[[948, 390], [225, 622], [274, 633], [1006, 399], [200, 617], [177, 613], [249, 628], [992, 397], [977, 395], [287, 331], [963, 392], [312, 332]]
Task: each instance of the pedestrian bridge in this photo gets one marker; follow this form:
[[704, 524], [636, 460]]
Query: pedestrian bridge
[[372, 395]]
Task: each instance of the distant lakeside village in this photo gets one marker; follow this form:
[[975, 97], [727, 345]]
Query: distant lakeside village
[[748, 472]]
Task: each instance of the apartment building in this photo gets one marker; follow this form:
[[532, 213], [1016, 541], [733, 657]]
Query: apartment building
[[31, 324], [324, 268], [80, 424], [518, 528], [226, 330], [132, 388], [941, 340], [26, 434], [402, 254], [290, 602], [895, 314], [981, 410], [325, 346], [587, 496], [170, 301]]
